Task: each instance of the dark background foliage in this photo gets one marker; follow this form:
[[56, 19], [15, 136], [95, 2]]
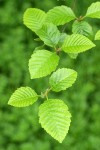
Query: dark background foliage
[[19, 128]]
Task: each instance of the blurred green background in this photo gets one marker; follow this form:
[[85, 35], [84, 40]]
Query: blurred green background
[[19, 128]]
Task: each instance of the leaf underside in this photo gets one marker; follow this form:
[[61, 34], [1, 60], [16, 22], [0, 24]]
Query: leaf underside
[[73, 55], [62, 79], [23, 97], [49, 34], [77, 43], [54, 117], [62, 38], [60, 15], [42, 63], [83, 28]]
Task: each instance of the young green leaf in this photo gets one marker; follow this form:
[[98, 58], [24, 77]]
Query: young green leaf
[[62, 38], [77, 43], [54, 117], [97, 36], [23, 97], [49, 34], [60, 15], [37, 39], [82, 27], [73, 55], [62, 79], [94, 10], [34, 18], [42, 63], [39, 48]]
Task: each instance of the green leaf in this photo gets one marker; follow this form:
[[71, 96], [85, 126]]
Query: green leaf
[[37, 39], [77, 43], [49, 34], [82, 27], [61, 41], [42, 63], [60, 15], [34, 18], [39, 48], [62, 79], [23, 97], [54, 117], [62, 38], [73, 55], [94, 10], [97, 36]]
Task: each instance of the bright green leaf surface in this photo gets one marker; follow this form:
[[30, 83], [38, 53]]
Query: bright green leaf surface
[[60, 15], [42, 63], [77, 43], [34, 18], [94, 10], [83, 28], [49, 34], [23, 97], [62, 79], [97, 36], [54, 117]]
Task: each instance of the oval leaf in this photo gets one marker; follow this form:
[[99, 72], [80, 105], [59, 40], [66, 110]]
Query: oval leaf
[[94, 10], [77, 43], [23, 97], [42, 63], [34, 18], [54, 117], [49, 34], [82, 27], [97, 36], [60, 15], [62, 79]]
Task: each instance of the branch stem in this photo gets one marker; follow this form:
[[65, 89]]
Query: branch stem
[[45, 94]]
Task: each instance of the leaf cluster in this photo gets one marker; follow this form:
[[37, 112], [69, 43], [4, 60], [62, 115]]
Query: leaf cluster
[[54, 116]]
